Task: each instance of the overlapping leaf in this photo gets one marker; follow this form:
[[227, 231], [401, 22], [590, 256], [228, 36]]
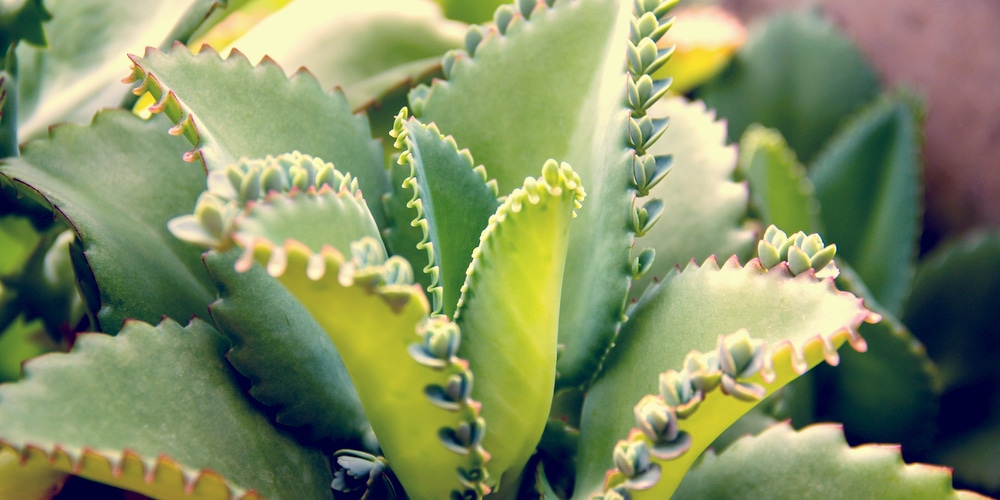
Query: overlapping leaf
[[802, 319], [156, 410], [253, 111], [868, 180], [76, 74], [509, 312], [797, 74], [118, 199], [536, 59], [704, 209], [379, 44], [780, 191], [815, 461], [288, 357], [454, 204]]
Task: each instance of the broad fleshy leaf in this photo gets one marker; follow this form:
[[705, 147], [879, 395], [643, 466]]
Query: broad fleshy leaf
[[253, 111], [801, 320], [813, 462], [378, 44], [704, 209], [509, 312], [797, 74], [76, 74], [868, 180], [118, 199], [453, 202], [290, 361], [374, 323], [780, 190], [156, 410], [507, 73]]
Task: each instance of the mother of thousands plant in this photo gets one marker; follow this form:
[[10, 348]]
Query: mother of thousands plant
[[465, 319]]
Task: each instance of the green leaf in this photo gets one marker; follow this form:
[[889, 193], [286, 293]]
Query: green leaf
[[377, 44], [509, 312], [813, 462], [253, 112], [801, 319], [293, 216], [290, 361], [955, 308], [88, 40], [454, 204], [400, 236], [551, 93], [8, 115], [780, 190], [19, 342], [153, 409], [797, 74], [704, 209], [22, 20], [373, 324], [18, 240], [118, 199], [479, 11], [903, 406], [868, 180]]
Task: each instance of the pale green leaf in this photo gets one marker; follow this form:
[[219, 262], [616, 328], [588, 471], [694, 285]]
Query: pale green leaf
[[509, 312], [815, 462], [704, 208]]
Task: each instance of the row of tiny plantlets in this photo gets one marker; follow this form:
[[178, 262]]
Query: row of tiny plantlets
[[644, 58], [737, 358], [248, 181], [438, 350]]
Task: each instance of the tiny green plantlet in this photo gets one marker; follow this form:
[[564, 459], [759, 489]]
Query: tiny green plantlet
[[502, 276]]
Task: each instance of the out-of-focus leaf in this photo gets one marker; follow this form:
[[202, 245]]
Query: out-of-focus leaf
[[955, 308], [903, 406], [366, 48], [797, 74], [869, 182], [88, 41], [780, 191], [705, 38], [118, 198], [814, 462], [22, 20], [471, 11]]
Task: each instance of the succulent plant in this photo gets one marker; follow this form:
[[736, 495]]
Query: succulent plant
[[511, 289]]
